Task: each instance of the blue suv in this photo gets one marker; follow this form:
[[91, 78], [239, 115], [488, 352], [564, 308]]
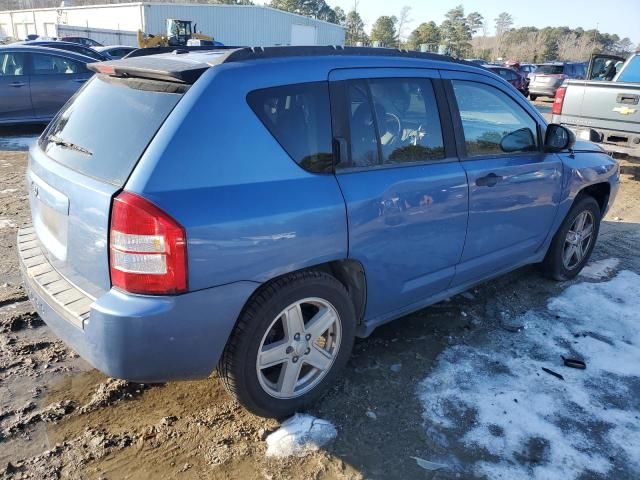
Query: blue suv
[[257, 209]]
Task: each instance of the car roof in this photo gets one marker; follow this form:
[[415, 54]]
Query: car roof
[[184, 65], [44, 49]]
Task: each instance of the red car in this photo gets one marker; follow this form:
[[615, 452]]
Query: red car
[[521, 82]]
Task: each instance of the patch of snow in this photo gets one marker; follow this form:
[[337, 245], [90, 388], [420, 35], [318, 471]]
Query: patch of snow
[[600, 269], [512, 421], [300, 435], [21, 143], [7, 223]]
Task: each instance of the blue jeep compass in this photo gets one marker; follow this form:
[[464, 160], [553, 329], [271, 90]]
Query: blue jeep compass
[[255, 210]]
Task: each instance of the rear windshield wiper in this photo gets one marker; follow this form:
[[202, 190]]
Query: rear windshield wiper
[[65, 144]]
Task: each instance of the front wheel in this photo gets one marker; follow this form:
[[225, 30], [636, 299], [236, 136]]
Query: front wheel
[[289, 344], [572, 245]]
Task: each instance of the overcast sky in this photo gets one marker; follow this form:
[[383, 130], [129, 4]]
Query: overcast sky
[[611, 16]]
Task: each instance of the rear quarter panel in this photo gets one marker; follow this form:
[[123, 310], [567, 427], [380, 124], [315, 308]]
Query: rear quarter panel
[[250, 212]]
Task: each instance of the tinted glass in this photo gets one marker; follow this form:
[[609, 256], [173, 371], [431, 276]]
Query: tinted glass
[[489, 117], [299, 117], [631, 72], [407, 119], [12, 64], [54, 65], [364, 144], [108, 124], [550, 69]]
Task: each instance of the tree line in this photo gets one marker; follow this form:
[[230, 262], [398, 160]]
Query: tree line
[[460, 34]]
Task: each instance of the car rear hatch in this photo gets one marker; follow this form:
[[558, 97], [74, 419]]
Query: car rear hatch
[[82, 160], [548, 76]]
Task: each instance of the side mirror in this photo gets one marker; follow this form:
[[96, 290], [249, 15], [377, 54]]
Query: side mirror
[[558, 138], [520, 140]]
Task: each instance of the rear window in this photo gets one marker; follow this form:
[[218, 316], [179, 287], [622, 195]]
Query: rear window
[[103, 130], [550, 69], [299, 117]]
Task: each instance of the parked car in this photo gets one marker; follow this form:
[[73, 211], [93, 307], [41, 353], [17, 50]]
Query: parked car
[[549, 76], [87, 42], [35, 82], [527, 68], [338, 191], [513, 77], [114, 52], [68, 46], [604, 111]]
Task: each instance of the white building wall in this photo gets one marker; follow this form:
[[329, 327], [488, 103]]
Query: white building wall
[[230, 24], [240, 25]]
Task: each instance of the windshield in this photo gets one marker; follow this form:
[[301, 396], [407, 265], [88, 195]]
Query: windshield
[[550, 69], [631, 72], [104, 129]]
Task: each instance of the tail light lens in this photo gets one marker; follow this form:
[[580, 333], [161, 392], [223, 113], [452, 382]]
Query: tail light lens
[[558, 101], [148, 248]]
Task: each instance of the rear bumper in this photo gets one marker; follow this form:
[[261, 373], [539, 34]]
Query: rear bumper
[[548, 91], [135, 337]]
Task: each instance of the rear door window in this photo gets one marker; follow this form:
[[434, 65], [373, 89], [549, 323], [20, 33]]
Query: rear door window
[[105, 128], [299, 118], [392, 121], [493, 123], [55, 65], [12, 64]]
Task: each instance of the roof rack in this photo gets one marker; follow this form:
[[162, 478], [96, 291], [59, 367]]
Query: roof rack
[[174, 66]]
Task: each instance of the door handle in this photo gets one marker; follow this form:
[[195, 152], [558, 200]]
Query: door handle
[[490, 180], [18, 84]]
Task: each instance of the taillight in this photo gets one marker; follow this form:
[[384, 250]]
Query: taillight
[[556, 109], [148, 248]]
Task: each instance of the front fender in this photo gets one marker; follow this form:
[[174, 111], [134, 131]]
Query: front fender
[[581, 170]]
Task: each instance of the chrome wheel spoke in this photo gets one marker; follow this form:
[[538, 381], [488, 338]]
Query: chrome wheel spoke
[[293, 321], [321, 322], [579, 223], [318, 358], [588, 230], [569, 254], [273, 354], [289, 377]]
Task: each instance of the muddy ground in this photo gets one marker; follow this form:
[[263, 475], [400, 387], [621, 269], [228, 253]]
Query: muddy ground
[[59, 418]]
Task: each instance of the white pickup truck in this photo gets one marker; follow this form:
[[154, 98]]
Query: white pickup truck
[[605, 108]]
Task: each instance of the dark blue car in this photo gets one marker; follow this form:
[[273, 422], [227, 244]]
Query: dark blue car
[[255, 210], [35, 82]]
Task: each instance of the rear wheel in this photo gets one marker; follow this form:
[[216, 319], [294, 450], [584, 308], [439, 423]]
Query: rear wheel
[[572, 245], [289, 344]]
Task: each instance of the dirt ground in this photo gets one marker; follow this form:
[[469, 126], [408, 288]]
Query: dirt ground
[[59, 418]]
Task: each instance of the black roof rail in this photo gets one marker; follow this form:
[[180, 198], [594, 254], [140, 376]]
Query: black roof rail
[[144, 63], [256, 53]]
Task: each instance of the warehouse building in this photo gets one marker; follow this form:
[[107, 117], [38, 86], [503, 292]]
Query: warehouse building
[[246, 25]]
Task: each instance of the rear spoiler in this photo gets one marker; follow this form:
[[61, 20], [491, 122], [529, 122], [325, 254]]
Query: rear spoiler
[[143, 52], [170, 67]]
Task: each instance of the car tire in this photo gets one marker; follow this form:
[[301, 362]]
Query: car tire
[[570, 248], [269, 330], [533, 98]]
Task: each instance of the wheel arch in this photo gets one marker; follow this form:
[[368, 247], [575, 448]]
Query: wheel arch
[[599, 191]]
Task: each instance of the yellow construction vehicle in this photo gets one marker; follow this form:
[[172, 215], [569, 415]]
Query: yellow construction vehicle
[[179, 32]]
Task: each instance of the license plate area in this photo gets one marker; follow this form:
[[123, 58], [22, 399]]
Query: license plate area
[[50, 215]]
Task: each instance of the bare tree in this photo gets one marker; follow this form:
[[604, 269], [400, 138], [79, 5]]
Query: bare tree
[[403, 20]]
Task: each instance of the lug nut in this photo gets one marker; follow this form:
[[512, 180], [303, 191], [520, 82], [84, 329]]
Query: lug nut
[[296, 336], [308, 336], [289, 349], [295, 359], [307, 351]]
